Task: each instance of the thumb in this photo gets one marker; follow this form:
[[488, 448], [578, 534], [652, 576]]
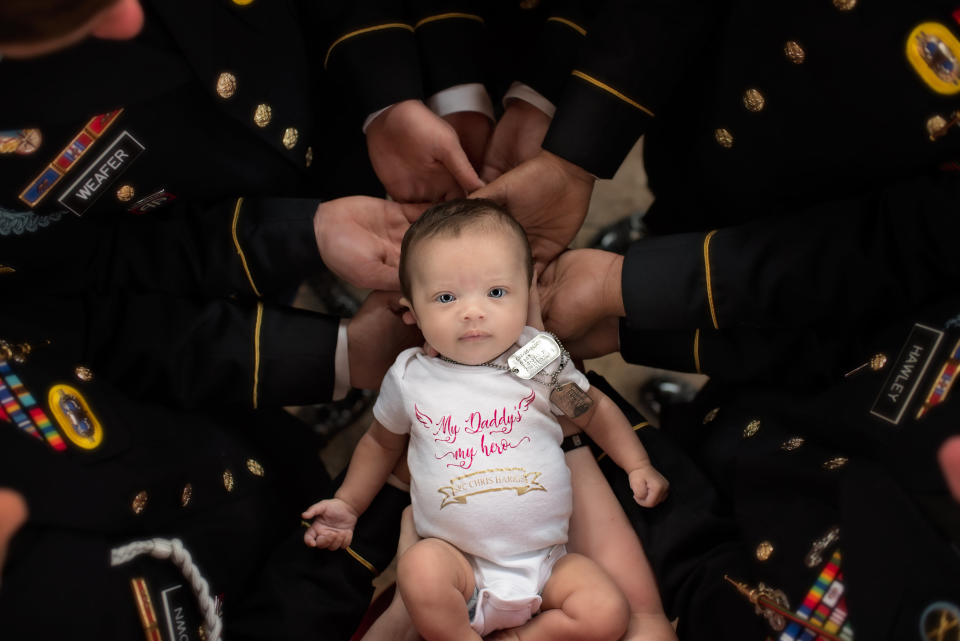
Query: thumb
[[489, 172], [454, 158]]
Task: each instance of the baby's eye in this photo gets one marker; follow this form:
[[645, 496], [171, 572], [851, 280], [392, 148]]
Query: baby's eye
[[445, 298], [497, 292]]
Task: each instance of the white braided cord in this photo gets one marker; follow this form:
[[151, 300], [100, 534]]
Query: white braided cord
[[174, 550]]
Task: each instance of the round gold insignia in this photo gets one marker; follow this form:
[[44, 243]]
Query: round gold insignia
[[254, 467], [74, 416], [940, 621], [262, 115], [712, 414], [139, 503], [226, 85], [228, 482], [125, 193], [792, 444], [308, 157], [935, 125], [752, 428], [290, 137], [794, 52], [186, 495], [753, 100], [83, 374], [845, 5], [724, 138], [22, 142], [835, 463], [764, 550]]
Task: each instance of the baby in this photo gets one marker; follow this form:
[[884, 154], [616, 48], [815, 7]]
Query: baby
[[490, 489]]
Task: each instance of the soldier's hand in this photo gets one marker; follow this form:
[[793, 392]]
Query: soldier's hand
[[473, 130], [417, 155], [579, 290], [548, 196], [949, 456], [516, 138], [375, 335], [13, 514], [649, 486], [359, 238], [333, 523]]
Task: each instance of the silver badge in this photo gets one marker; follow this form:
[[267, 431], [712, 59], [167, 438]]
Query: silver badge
[[571, 399], [529, 360]]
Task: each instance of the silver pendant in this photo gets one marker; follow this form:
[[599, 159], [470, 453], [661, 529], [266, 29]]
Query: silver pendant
[[571, 399], [529, 360]]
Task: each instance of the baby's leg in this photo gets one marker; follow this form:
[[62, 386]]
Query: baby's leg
[[580, 603], [600, 530], [435, 581]]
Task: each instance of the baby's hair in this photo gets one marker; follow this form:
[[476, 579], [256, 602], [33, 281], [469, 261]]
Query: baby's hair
[[450, 219]]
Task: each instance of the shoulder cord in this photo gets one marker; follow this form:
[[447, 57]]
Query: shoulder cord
[[173, 549]]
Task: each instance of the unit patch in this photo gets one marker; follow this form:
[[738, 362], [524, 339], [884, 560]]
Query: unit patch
[[906, 373], [933, 51]]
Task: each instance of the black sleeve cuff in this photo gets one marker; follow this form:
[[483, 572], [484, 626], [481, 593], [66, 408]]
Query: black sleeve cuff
[[294, 363]]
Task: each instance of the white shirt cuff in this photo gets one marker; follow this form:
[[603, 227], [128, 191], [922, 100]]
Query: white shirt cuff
[[471, 96], [341, 363], [374, 116], [520, 91]]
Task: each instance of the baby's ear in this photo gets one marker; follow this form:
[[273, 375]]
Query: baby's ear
[[409, 316]]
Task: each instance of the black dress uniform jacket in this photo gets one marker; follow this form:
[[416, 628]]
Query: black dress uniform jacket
[[156, 206], [803, 160]]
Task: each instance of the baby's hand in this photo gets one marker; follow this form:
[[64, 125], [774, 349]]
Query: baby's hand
[[333, 523], [649, 486]]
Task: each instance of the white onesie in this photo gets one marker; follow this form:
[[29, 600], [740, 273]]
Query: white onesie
[[487, 472]]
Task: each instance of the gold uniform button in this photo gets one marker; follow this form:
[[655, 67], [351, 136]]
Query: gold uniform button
[[935, 126], [794, 52], [835, 463], [84, 374], [845, 5], [712, 414], [228, 482], [186, 495], [753, 100], [125, 193], [792, 444], [226, 85], [752, 428], [308, 157], [290, 137], [262, 115], [242, 3], [764, 550], [140, 502], [723, 137], [254, 467]]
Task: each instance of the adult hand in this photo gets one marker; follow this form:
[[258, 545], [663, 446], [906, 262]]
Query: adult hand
[[516, 138], [359, 238], [375, 335], [417, 155], [548, 196], [333, 524], [580, 289], [473, 130], [949, 456], [13, 514]]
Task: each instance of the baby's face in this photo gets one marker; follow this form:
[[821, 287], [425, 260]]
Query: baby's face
[[470, 293]]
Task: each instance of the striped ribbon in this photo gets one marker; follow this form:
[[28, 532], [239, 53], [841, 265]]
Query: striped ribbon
[[37, 419], [825, 606]]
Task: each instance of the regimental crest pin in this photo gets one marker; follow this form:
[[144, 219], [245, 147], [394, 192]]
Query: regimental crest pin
[[74, 416], [934, 53]]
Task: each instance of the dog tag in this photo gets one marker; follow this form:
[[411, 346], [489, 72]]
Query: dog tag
[[571, 400], [529, 360]]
